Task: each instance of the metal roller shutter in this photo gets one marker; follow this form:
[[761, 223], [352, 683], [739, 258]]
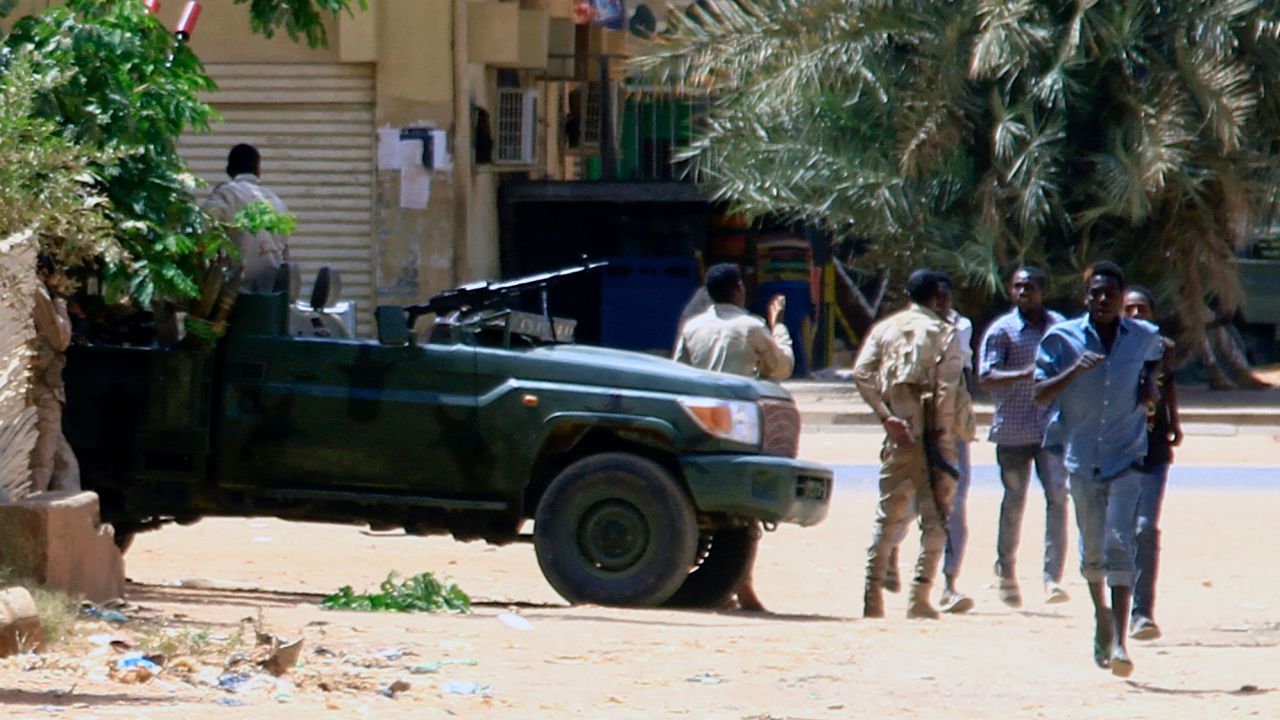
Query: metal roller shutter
[[313, 124]]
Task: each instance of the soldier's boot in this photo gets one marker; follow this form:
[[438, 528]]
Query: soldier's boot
[[918, 607], [873, 600]]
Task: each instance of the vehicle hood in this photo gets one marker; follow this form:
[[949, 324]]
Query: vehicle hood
[[605, 367]]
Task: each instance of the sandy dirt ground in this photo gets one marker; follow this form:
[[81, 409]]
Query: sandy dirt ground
[[811, 657]]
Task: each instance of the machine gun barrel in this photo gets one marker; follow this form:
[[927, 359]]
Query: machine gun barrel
[[490, 293]]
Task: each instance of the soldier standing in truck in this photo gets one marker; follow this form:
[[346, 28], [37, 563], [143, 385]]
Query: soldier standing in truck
[[262, 251]]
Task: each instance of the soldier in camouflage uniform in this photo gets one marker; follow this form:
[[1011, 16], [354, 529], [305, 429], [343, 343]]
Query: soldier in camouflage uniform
[[53, 335], [910, 365]]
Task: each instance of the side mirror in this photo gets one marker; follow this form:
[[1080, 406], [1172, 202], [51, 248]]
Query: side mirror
[[393, 328]]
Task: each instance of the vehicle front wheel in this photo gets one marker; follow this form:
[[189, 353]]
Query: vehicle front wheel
[[615, 529], [727, 558]]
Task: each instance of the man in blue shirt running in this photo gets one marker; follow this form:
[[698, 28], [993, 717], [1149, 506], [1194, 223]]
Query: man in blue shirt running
[[1099, 368]]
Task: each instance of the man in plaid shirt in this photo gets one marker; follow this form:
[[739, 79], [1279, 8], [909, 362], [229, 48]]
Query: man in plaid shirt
[[1006, 370]]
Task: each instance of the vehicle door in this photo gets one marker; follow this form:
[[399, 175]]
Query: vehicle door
[[349, 415]]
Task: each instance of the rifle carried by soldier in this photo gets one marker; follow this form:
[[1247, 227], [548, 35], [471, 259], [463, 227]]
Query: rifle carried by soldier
[[937, 463]]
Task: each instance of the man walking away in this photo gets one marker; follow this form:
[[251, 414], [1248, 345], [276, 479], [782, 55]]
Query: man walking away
[[908, 370], [1100, 368], [1164, 432], [1007, 364], [952, 601], [261, 252], [726, 338]]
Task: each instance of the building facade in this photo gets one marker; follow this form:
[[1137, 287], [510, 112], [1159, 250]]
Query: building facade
[[344, 129]]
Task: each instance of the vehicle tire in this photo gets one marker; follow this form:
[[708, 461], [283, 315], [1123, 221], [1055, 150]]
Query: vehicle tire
[[615, 529], [726, 561], [124, 536]]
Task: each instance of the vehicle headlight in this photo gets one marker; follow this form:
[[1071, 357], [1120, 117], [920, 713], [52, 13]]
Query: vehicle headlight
[[735, 420]]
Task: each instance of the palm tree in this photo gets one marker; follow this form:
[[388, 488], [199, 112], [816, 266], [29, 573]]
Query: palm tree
[[975, 134]]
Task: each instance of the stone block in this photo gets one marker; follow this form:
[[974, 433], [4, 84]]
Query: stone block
[[58, 540], [20, 629]]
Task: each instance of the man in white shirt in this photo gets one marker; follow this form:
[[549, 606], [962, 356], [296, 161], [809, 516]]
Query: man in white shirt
[[726, 338], [261, 252]]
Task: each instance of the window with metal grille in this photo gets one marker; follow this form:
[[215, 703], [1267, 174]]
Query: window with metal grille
[[591, 114], [515, 126]]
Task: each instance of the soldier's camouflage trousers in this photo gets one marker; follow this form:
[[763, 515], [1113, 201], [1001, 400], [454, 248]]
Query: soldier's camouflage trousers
[[904, 490], [53, 464]]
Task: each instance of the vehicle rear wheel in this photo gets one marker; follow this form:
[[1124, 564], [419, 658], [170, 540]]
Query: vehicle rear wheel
[[729, 555], [124, 536], [615, 529]]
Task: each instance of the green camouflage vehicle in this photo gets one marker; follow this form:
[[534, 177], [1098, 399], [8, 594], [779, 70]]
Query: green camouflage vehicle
[[645, 479]]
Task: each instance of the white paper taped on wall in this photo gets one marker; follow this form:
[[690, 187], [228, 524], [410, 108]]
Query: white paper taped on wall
[[415, 183], [443, 160], [388, 148], [394, 155], [410, 152]]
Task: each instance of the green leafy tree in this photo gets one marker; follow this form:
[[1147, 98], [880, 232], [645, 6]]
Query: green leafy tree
[[47, 182], [299, 18], [975, 134], [124, 93]]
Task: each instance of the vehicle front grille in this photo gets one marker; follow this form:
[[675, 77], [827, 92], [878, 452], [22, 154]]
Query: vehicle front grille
[[780, 427]]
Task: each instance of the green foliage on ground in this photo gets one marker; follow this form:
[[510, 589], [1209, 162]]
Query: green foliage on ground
[[420, 593], [58, 611]]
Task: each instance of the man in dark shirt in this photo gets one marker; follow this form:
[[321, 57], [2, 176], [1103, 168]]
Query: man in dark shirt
[[1164, 432]]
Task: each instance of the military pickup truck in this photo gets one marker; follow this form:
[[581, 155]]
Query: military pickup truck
[[646, 480]]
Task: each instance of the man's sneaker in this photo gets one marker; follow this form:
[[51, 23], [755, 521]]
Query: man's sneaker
[[955, 603], [1009, 593], [1054, 593], [1144, 628]]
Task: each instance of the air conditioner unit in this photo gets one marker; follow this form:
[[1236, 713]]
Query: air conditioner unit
[[516, 127]]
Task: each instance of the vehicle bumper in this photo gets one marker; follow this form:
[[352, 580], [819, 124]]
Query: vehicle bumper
[[767, 488]]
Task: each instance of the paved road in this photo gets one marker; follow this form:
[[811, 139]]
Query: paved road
[[838, 403], [987, 477]]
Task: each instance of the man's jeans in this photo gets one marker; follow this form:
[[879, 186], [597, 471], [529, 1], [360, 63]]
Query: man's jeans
[[1015, 473], [957, 526], [1147, 559], [1106, 512]]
